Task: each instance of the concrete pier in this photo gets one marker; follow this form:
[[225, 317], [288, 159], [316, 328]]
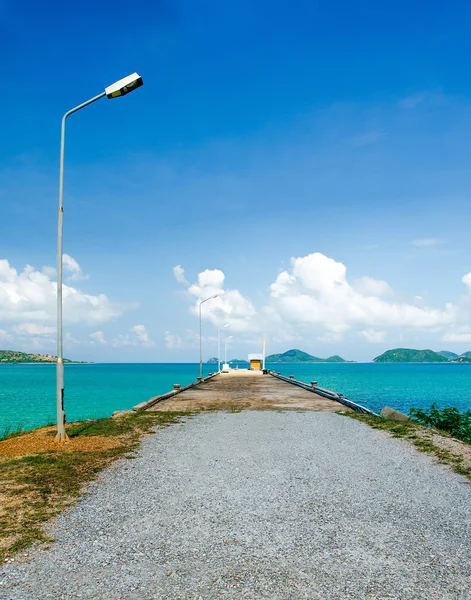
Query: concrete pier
[[241, 389]]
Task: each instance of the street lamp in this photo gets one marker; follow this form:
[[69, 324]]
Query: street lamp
[[120, 88], [201, 345], [225, 348], [219, 345]]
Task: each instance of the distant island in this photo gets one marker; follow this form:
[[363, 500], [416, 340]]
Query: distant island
[[14, 357], [298, 356], [410, 355], [396, 355], [233, 361]]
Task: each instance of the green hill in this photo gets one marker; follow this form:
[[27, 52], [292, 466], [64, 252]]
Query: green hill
[[467, 354], [409, 355], [14, 357], [298, 356], [448, 355]]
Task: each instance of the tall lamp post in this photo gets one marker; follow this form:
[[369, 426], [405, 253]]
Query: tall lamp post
[[201, 343], [225, 347], [120, 88], [219, 345]]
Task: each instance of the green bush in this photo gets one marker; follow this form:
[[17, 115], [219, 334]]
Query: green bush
[[451, 420]]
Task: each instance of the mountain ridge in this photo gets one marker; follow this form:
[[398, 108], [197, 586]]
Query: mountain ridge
[[421, 356], [12, 357], [298, 356]]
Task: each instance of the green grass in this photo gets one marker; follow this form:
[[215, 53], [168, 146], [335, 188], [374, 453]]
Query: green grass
[[38, 487], [10, 431], [417, 434]]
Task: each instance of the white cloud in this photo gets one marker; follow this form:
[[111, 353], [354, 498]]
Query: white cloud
[[372, 287], [179, 274], [172, 340], [314, 300], [142, 335], [372, 336], [190, 339], [5, 336], [426, 242], [33, 329], [31, 296], [98, 337], [138, 337], [70, 339], [456, 337], [467, 280], [72, 268], [230, 306], [317, 293]]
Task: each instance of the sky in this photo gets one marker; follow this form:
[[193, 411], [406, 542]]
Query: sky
[[307, 161]]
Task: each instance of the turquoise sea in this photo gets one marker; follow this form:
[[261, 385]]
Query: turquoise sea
[[27, 392]]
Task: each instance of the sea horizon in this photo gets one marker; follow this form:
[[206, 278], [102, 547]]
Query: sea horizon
[[96, 390]]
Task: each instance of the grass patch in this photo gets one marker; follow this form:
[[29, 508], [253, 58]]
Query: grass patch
[[419, 435], [37, 487], [451, 420], [9, 431]]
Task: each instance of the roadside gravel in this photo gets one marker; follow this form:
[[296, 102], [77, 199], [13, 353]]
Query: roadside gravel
[[278, 505]]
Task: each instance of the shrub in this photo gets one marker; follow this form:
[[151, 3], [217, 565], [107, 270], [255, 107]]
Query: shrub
[[451, 420]]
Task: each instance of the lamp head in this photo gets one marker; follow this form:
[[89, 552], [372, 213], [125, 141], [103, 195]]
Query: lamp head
[[124, 86]]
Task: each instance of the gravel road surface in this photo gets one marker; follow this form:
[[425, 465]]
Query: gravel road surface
[[278, 505]]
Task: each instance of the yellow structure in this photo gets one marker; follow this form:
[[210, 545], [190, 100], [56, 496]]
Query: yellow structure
[[255, 361]]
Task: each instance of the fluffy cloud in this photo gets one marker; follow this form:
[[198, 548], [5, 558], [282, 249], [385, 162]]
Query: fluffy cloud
[[372, 336], [30, 296], [230, 306], [456, 337], [142, 335], [98, 337], [426, 242], [71, 268], [179, 274], [33, 329], [314, 299], [372, 287], [173, 341], [316, 293], [5, 336], [138, 336]]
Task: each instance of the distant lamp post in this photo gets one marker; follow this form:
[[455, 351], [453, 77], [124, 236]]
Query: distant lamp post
[[120, 88], [219, 346], [225, 347], [201, 343]]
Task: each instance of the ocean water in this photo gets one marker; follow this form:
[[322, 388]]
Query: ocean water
[[398, 385], [27, 392]]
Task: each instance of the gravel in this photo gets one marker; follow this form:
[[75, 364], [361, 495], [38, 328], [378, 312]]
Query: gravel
[[277, 505]]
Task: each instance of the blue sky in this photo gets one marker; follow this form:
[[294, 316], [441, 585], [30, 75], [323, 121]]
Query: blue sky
[[316, 154]]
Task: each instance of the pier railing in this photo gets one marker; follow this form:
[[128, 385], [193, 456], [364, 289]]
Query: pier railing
[[325, 393]]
